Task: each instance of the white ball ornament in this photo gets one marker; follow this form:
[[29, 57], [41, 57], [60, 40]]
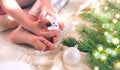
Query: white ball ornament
[[71, 56]]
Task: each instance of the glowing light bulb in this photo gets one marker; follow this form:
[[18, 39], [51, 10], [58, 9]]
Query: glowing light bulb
[[103, 57], [106, 8], [117, 65], [96, 68], [105, 25], [114, 53], [109, 38], [118, 46], [117, 16], [97, 54], [114, 20], [115, 41], [108, 50], [106, 33], [100, 47]]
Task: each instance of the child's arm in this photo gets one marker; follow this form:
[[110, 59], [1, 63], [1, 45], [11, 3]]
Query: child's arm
[[13, 9]]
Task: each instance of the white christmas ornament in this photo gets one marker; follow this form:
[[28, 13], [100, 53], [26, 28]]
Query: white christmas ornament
[[71, 55]]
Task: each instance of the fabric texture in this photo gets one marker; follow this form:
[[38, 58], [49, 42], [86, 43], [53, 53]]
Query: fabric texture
[[58, 4]]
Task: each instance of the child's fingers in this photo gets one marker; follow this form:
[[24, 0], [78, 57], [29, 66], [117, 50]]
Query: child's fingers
[[56, 38], [47, 43], [61, 25]]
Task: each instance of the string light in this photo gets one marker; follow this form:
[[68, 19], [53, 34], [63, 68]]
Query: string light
[[103, 57], [115, 41], [105, 25], [108, 50], [109, 38], [117, 65], [118, 46], [97, 54], [115, 32], [105, 8], [96, 68], [100, 47], [114, 20], [117, 16], [114, 53], [106, 33]]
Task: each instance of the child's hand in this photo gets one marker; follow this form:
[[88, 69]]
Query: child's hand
[[46, 10], [40, 27]]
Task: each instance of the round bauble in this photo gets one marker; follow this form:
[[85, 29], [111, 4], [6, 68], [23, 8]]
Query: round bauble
[[71, 56]]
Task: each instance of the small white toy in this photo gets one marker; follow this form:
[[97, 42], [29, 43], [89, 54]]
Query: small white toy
[[53, 24]]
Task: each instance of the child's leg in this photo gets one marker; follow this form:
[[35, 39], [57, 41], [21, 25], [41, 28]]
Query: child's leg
[[6, 22], [20, 35]]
